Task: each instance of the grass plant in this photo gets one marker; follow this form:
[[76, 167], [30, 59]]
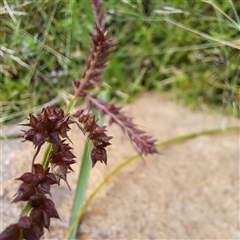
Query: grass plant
[[186, 50]]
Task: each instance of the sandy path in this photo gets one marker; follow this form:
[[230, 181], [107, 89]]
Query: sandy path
[[191, 191]]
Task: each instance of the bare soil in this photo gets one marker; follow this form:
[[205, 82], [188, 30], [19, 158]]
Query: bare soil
[[190, 191]]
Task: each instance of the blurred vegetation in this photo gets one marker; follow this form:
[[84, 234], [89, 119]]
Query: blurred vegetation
[[187, 50]]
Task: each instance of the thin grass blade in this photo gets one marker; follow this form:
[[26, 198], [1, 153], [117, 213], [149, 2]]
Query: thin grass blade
[[84, 175]]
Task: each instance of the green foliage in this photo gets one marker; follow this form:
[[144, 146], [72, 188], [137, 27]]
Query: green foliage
[[185, 49]]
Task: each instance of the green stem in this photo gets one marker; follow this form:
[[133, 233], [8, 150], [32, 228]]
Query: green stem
[[71, 105], [21, 235], [26, 209], [193, 135], [81, 186], [45, 161]]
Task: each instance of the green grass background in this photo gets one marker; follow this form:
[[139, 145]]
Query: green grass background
[[186, 50]]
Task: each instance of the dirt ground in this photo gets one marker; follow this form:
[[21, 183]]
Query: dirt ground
[[190, 191]]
